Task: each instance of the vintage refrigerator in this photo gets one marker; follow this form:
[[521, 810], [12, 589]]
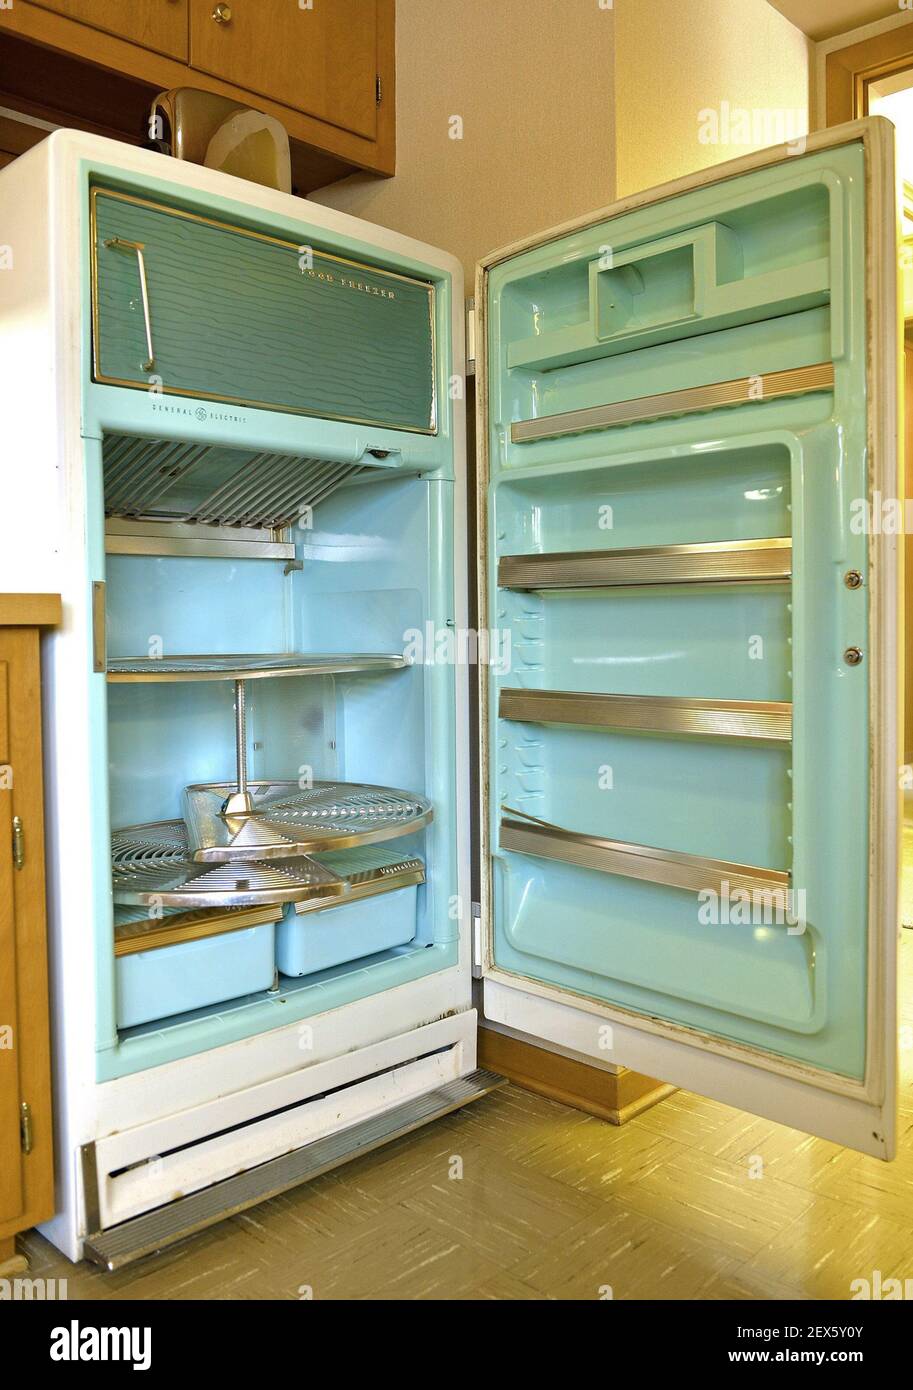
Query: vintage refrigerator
[[234, 440]]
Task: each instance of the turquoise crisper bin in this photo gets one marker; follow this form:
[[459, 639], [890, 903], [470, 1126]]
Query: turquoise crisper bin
[[175, 979], [313, 941]]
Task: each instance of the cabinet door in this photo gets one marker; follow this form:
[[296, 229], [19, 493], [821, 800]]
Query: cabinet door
[[157, 24], [11, 1202], [321, 60], [693, 729], [26, 1155]]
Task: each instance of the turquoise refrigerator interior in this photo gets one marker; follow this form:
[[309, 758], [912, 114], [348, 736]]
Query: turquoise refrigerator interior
[[276, 755]]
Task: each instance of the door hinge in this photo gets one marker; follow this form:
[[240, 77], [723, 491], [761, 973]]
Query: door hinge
[[99, 619], [470, 337], [18, 842], [25, 1127], [477, 939], [378, 89]]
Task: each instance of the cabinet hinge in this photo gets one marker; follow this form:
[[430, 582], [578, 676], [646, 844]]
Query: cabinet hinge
[[18, 842], [25, 1127], [378, 89]]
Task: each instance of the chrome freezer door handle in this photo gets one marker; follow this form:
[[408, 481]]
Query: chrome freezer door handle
[[116, 243]]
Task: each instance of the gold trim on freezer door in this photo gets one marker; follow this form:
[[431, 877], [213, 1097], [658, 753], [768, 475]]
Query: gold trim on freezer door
[[99, 190]]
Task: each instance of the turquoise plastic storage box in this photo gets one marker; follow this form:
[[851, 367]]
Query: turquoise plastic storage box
[[175, 979], [312, 941]]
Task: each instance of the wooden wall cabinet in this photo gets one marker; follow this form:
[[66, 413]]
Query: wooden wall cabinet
[[157, 24], [326, 72], [26, 1128], [322, 61]]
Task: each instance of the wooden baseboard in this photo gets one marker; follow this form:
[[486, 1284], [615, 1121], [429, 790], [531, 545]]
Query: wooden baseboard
[[610, 1096]]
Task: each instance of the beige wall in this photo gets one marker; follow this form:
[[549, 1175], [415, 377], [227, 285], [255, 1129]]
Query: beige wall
[[678, 58], [533, 83]]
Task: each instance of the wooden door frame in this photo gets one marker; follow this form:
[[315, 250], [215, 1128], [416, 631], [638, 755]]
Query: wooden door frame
[[849, 72]]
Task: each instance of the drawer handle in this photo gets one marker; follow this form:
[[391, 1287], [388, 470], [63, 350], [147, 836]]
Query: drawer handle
[[116, 243], [222, 14]]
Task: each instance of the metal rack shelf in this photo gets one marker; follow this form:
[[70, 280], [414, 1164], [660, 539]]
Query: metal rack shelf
[[248, 666], [764, 721], [526, 835], [160, 479], [152, 865], [715, 562], [366, 873], [281, 818]]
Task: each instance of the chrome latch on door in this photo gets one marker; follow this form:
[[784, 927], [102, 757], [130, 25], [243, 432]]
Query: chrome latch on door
[[18, 842], [26, 1135]]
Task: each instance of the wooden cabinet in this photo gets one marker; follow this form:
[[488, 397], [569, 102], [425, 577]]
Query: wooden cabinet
[[157, 24], [26, 1135], [327, 71], [321, 60]]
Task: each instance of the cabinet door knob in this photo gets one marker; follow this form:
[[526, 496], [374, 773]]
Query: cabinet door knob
[[222, 14]]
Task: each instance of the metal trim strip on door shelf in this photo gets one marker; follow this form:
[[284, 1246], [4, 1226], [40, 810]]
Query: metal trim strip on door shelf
[[797, 381], [754, 561], [762, 720], [667, 867]]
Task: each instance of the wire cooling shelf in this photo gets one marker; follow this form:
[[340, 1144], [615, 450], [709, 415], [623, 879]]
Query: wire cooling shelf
[[214, 485], [286, 820], [152, 865], [248, 666]]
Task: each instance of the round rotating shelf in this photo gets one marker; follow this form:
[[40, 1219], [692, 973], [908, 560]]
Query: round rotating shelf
[[143, 669], [152, 865], [287, 820]]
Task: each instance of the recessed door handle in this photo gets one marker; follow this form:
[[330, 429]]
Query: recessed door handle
[[116, 243]]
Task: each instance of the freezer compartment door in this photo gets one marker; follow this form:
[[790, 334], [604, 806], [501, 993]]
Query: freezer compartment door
[[690, 715]]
